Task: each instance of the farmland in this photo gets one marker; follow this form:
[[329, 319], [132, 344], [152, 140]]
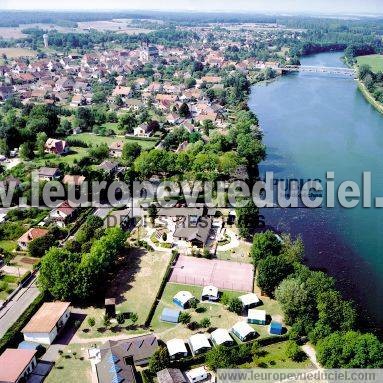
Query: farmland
[[374, 61]]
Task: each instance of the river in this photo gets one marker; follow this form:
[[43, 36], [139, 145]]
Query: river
[[314, 123]]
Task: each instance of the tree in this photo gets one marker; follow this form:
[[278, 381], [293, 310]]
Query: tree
[[127, 122], [294, 352], [120, 318], [106, 321], [184, 317], [271, 272], [39, 246], [26, 151], [159, 360], [134, 318], [235, 305], [205, 323], [130, 152], [265, 244], [350, 350], [153, 213], [184, 110], [91, 322], [292, 250], [247, 218], [221, 357]]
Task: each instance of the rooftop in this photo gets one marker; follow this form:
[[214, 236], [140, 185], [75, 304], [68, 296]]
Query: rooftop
[[13, 363]]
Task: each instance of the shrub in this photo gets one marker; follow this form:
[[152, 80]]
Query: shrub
[[205, 323], [184, 318], [91, 321], [294, 352], [235, 306]]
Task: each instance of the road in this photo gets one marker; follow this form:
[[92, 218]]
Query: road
[[20, 302]]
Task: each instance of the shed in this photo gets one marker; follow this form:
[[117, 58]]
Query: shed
[[199, 343], [176, 348], [183, 298], [243, 331], [197, 374], [256, 316], [210, 293], [221, 337], [275, 328], [170, 315], [249, 300], [171, 375]]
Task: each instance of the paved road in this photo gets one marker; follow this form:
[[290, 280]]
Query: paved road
[[20, 302]]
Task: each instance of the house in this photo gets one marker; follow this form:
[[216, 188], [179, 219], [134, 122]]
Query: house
[[210, 293], [134, 104], [108, 167], [29, 236], [73, 180], [183, 298], [221, 337], [170, 315], [197, 374], [134, 351], [197, 234], [46, 324], [62, 214], [143, 130], [170, 375], [115, 149], [176, 348], [249, 300], [199, 343], [256, 316], [48, 174], [54, 146], [243, 331], [275, 328], [122, 91], [16, 365]]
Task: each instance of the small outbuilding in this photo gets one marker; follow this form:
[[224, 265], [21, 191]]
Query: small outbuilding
[[110, 307], [183, 298], [243, 331], [176, 348], [210, 293], [199, 344], [275, 328], [249, 300], [256, 316], [170, 315], [171, 375], [197, 374], [221, 337]]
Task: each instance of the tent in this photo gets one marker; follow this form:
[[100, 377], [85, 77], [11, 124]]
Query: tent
[[275, 328], [243, 331], [176, 348], [182, 298], [249, 300], [170, 315], [256, 316], [210, 293]]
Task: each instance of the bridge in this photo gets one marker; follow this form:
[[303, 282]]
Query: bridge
[[319, 69]]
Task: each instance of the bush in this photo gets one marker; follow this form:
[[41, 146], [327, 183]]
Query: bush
[[205, 323], [184, 317], [294, 352], [235, 306], [91, 321]]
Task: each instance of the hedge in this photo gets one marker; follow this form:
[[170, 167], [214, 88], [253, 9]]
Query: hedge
[[164, 281], [13, 335]]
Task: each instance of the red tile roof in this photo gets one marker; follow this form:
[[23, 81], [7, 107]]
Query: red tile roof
[[13, 363]]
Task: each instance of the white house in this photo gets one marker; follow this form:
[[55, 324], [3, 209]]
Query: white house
[[199, 343], [45, 325], [221, 337], [176, 348], [210, 293], [249, 300], [183, 298], [243, 331], [197, 374]]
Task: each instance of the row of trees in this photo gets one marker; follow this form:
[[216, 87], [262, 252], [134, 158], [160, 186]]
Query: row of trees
[[312, 305], [372, 81]]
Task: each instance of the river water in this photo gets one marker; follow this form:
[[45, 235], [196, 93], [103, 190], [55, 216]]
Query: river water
[[314, 123]]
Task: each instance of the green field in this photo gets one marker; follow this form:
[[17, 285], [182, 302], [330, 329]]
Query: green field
[[274, 356], [76, 154], [92, 139], [8, 245], [374, 61]]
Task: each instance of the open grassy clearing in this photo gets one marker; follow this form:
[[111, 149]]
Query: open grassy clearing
[[16, 52], [135, 289], [274, 356], [374, 61], [75, 155], [92, 139], [72, 366], [8, 245]]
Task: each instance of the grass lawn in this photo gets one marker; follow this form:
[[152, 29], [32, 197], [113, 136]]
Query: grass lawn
[[92, 139], [274, 356], [135, 289], [374, 61], [71, 368], [17, 52], [8, 245], [217, 313], [76, 154]]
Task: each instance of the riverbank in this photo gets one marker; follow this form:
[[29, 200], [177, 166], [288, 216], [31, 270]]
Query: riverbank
[[369, 97]]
